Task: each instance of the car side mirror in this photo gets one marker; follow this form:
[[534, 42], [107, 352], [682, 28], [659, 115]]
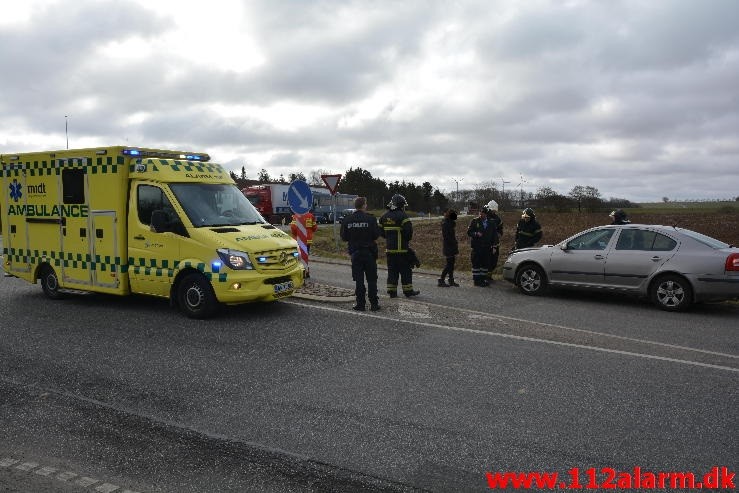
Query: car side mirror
[[564, 247]]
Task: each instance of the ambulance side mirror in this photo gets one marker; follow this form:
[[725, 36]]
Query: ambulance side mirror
[[159, 223]]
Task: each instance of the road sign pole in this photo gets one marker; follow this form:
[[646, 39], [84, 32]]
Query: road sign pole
[[302, 238], [300, 199], [334, 207], [332, 182]]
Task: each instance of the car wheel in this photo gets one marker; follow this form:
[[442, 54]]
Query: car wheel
[[195, 297], [672, 293], [50, 282], [530, 280]]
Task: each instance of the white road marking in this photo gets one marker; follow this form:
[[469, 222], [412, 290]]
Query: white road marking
[[46, 471], [66, 476], [27, 466], [414, 310], [107, 488], [83, 481], [502, 319], [533, 339]]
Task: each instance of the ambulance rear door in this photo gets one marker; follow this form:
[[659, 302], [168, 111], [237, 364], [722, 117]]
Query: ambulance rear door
[[15, 230]]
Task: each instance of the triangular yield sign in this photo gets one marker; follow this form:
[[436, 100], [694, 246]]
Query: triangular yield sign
[[331, 181]]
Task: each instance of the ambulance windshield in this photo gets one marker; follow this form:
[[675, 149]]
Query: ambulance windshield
[[208, 204]]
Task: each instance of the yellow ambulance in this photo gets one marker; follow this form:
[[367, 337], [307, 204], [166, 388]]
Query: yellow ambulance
[[123, 220]]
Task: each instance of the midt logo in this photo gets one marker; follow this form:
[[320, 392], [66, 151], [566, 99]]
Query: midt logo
[[16, 190], [39, 189]]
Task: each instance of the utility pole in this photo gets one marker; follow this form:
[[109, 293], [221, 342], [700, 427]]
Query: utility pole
[[503, 182], [456, 197], [66, 129]]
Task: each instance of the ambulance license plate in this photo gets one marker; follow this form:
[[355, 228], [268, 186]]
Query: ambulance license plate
[[284, 288]]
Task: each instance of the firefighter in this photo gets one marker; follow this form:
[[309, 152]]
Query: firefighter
[[492, 212], [311, 225], [484, 235], [528, 230], [618, 217], [309, 220], [396, 228]]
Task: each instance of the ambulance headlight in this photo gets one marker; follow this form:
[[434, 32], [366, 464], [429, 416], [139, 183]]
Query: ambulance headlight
[[235, 259]]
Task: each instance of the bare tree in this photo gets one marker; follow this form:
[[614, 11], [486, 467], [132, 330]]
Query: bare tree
[[314, 177], [263, 176]]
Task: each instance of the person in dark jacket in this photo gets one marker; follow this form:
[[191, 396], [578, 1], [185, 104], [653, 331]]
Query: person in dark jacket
[[396, 228], [528, 230], [619, 217], [484, 235], [450, 247], [361, 231]]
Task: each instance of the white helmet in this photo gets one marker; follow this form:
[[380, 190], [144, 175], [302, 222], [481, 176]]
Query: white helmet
[[492, 206]]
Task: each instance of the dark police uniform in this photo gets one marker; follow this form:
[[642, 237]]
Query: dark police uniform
[[484, 234], [360, 230]]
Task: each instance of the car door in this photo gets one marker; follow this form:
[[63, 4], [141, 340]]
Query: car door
[[152, 255], [582, 259], [637, 254]]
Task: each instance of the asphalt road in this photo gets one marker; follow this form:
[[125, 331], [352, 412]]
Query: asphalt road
[[100, 393]]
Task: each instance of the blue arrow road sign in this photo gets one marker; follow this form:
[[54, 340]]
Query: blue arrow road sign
[[300, 197]]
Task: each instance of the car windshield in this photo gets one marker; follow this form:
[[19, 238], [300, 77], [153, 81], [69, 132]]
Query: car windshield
[[210, 204], [706, 240]]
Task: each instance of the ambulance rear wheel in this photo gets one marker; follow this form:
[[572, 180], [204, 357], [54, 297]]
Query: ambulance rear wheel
[[49, 282], [195, 297]]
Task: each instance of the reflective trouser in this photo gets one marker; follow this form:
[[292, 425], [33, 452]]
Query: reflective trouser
[[398, 266], [480, 258], [364, 265]]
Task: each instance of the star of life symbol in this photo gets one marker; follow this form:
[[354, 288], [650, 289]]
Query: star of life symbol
[[15, 190]]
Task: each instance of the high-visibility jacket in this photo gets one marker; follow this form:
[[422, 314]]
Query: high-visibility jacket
[[310, 226], [397, 230]]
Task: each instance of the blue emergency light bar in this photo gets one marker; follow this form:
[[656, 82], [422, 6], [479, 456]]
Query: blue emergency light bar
[[165, 154]]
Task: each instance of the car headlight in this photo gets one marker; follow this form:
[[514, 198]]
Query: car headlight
[[235, 259]]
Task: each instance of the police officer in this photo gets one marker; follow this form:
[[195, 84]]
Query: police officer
[[484, 235], [619, 217], [361, 231], [528, 230], [396, 228]]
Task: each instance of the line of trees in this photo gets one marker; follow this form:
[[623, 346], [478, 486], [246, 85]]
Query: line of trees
[[427, 198]]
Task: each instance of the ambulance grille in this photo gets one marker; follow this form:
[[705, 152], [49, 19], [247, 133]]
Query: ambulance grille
[[276, 259]]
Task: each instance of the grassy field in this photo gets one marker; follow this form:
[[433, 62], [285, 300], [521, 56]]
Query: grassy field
[[686, 207], [556, 226]]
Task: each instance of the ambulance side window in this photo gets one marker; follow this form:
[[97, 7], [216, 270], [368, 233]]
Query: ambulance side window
[[73, 186], [151, 199]]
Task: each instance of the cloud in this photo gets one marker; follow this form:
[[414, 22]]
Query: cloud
[[634, 98]]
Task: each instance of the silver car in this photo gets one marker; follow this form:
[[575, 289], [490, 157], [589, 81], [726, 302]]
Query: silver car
[[674, 267]]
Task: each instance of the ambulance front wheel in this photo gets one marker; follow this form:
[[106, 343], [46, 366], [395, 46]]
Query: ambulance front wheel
[[195, 297], [49, 282]]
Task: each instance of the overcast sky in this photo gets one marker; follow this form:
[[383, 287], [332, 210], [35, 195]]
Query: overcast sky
[[639, 99]]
